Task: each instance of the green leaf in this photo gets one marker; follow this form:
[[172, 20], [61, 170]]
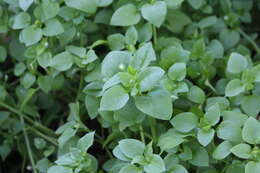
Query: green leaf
[[185, 122], [59, 169], [117, 152], [216, 48], [92, 105], [178, 169], [177, 71], [235, 117], [174, 4], [256, 73], [28, 80], [205, 137], [157, 105], [19, 69], [114, 98], [89, 6], [156, 165], [86, 141], [251, 105], [154, 13], [131, 36], [229, 38], [116, 41], [200, 157], [242, 151], [45, 83], [21, 20], [126, 15], [196, 4], [3, 54], [66, 136], [236, 63], [25, 4], [234, 87], [130, 169], [53, 27], [213, 114], [229, 130], [177, 20], [196, 95], [252, 167], [169, 140], [143, 56], [112, 62], [45, 59], [131, 147], [207, 22], [149, 77], [62, 61], [30, 35], [222, 150], [46, 10], [250, 132]]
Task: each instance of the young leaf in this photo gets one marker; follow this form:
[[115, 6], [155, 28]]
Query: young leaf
[[177, 71], [112, 62], [25, 4], [126, 15], [213, 114], [236, 63], [130, 169], [158, 106], [250, 132], [196, 95], [242, 151], [155, 165], [59, 169], [154, 13], [114, 98], [149, 77], [89, 6], [131, 147], [86, 141], [53, 27], [62, 61], [222, 150], [185, 122], [21, 20], [30, 35], [200, 157], [205, 137], [252, 167], [234, 87]]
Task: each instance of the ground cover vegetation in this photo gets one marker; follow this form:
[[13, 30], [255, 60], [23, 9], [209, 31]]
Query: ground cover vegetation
[[129, 86]]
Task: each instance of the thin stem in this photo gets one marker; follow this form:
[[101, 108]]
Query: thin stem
[[28, 119], [153, 130], [154, 37], [27, 142], [142, 133], [249, 40], [49, 139]]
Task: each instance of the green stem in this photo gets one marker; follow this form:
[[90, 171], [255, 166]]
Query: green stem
[[49, 139], [252, 42], [142, 133], [28, 119], [153, 130], [154, 37], [27, 142]]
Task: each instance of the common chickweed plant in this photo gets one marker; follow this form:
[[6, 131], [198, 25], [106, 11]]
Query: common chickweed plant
[[129, 86]]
